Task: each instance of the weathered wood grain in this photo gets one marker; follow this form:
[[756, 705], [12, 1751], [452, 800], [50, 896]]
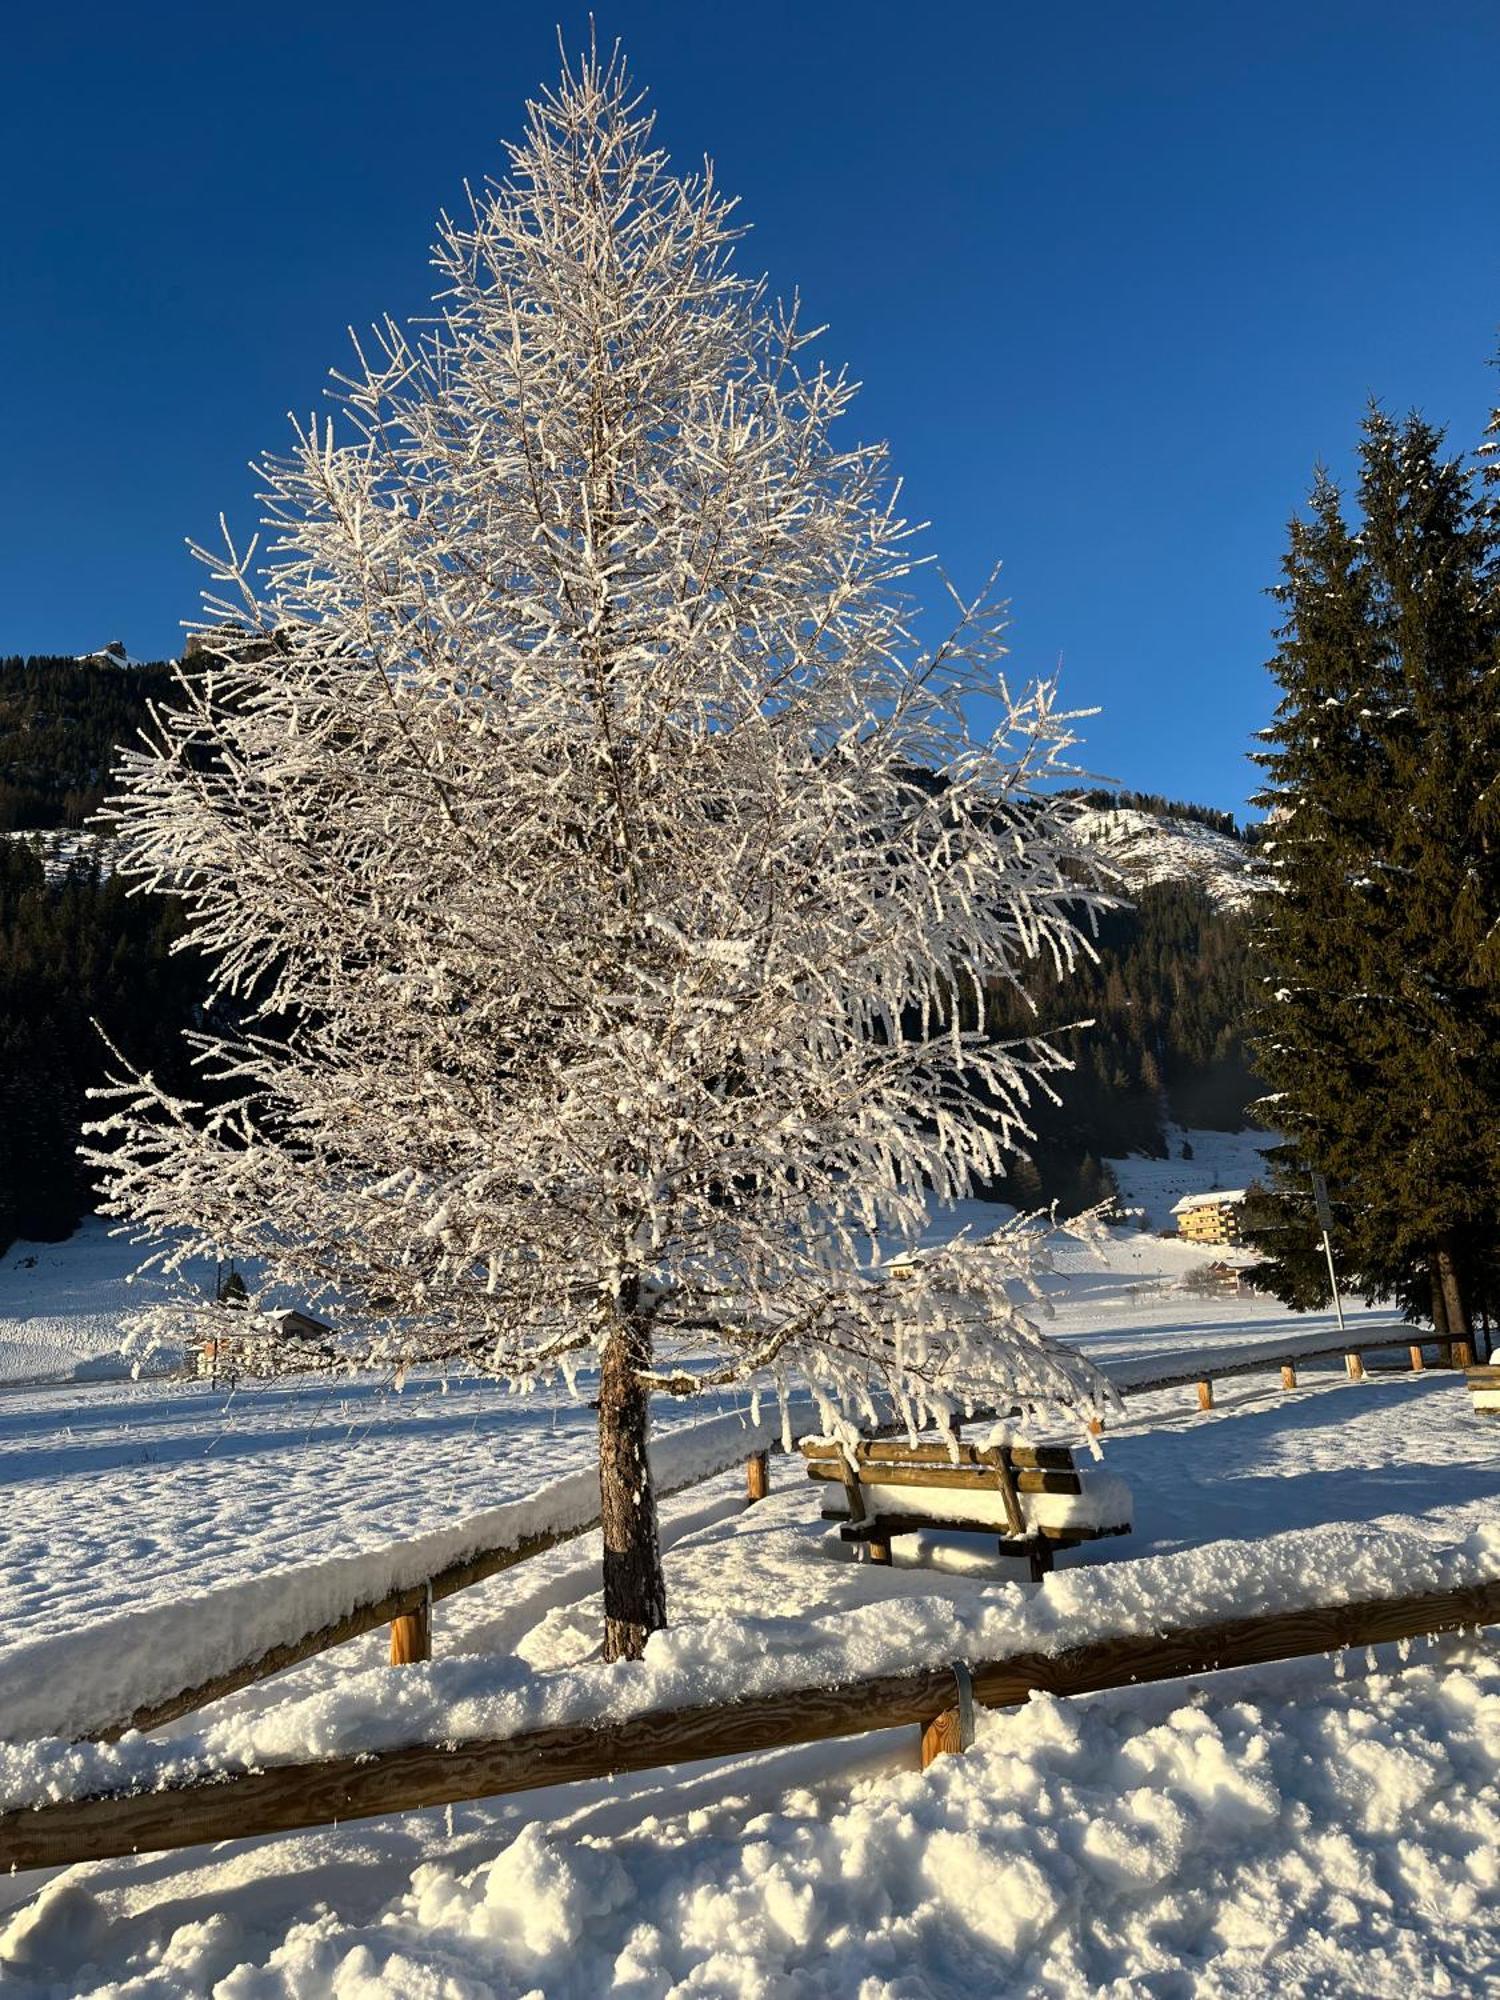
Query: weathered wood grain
[[958, 1478], [286, 1797]]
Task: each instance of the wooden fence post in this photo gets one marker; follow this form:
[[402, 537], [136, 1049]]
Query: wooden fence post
[[1205, 1395], [1354, 1367], [952, 1732], [1463, 1354], [757, 1476], [1417, 1358], [1288, 1375], [941, 1737], [411, 1636]]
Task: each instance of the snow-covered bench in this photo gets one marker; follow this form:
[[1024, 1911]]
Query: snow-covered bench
[[1484, 1387], [1033, 1495]]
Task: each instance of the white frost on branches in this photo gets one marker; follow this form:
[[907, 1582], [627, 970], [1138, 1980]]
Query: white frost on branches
[[587, 853]]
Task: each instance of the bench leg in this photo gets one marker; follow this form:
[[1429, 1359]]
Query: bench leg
[[1039, 1558], [880, 1549]]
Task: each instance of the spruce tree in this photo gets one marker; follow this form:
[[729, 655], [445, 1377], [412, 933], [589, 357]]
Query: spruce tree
[[1378, 1026]]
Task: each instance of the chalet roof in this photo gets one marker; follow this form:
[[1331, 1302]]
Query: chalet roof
[[1217, 1198]]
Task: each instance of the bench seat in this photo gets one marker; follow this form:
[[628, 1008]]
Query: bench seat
[[1033, 1497], [1484, 1387]]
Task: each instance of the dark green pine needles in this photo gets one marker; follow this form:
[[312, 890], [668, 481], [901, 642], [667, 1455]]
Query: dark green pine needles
[[1378, 1026]]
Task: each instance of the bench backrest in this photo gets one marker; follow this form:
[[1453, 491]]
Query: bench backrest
[[1010, 1470]]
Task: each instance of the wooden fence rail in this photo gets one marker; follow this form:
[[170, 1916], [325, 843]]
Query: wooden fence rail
[[1210, 1368], [216, 1806], [407, 1610]]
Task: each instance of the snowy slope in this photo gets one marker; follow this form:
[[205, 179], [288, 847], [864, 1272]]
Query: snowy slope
[[1218, 1160], [61, 1305], [60, 849], [1146, 849]]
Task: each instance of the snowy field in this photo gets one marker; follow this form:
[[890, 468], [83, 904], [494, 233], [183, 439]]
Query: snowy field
[[1302, 1828]]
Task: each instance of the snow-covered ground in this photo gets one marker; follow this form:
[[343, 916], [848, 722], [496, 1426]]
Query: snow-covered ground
[[61, 1306], [1215, 1160], [1282, 1828]]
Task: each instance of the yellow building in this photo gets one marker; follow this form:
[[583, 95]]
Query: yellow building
[[1210, 1218]]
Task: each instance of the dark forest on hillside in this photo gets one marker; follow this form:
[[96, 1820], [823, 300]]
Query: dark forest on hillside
[[1167, 994], [60, 723]]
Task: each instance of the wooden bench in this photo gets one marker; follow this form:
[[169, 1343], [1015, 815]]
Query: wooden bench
[[1034, 1495], [1484, 1387]]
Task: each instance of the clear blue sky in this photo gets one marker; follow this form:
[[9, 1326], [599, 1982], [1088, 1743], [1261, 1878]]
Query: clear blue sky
[[1115, 278]]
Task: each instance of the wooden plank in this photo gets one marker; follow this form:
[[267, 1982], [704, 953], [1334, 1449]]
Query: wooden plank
[[1260, 1356], [956, 1478], [943, 1737], [363, 1618], [214, 1806], [894, 1451]]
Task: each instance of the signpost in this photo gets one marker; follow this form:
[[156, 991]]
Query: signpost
[[1325, 1223]]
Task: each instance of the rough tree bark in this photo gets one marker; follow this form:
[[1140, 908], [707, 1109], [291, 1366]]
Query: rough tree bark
[[1439, 1305], [635, 1596], [1457, 1319], [1455, 1311]]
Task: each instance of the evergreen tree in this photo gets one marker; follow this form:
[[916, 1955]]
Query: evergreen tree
[[1379, 1028]]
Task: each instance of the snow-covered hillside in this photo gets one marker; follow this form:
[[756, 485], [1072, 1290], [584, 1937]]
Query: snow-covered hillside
[[1146, 849], [59, 849], [61, 1305], [1214, 1160]]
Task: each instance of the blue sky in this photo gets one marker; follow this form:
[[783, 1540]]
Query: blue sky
[[1114, 278]]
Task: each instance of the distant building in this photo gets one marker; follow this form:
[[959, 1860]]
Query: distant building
[[1210, 1218], [112, 655]]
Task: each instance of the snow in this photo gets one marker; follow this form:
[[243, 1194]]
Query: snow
[[1285, 1826], [1225, 1527], [58, 851], [1220, 1195], [1221, 1163], [85, 1680], [61, 1305], [1103, 1504], [1309, 1837], [1146, 849]]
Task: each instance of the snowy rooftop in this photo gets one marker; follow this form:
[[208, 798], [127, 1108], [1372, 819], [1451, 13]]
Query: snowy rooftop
[[1215, 1198]]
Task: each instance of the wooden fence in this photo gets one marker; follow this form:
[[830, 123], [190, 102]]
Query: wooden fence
[[1285, 1355], [408, 1610], [212, 1805]]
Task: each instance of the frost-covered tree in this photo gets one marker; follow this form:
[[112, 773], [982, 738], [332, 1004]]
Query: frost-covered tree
[[592, 858]]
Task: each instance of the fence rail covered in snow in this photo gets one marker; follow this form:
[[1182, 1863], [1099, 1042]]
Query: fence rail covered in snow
[[151, 1666], [131, 1672], [211, 1805], [1203, 1368]]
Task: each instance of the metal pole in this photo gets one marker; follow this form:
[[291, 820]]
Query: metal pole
[[1325, 1223]]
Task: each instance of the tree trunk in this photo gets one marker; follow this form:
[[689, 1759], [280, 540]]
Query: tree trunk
[[1457, 1320], [635, 1595]]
